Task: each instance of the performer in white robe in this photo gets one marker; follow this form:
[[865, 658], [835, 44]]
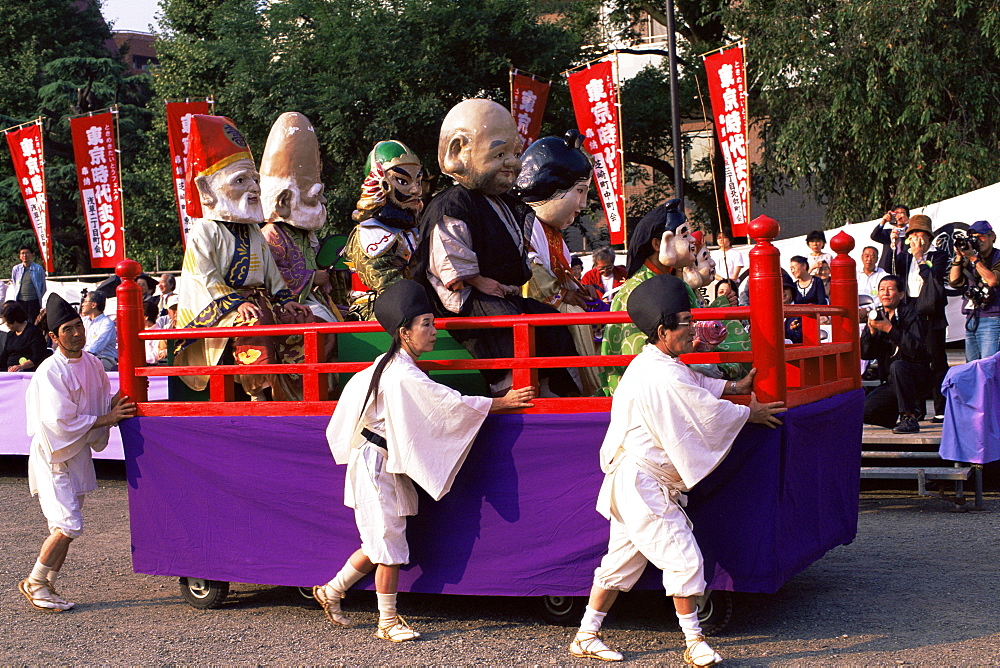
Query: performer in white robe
[[69, 410], [394, 426], [669, 429]]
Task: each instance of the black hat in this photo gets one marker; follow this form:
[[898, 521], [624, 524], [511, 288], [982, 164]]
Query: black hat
[[58, 312], [667, 217], [552, 164], [400, 303], [654, 298]]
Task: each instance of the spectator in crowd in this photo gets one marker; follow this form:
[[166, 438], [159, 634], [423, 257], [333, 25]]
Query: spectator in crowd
[[725, 287], [576, 267], [605, 276], [102, 338], [889, 233], [69, 410], [976, 267], [156, 349], [808, 289], [29, 283], [793, 325], [169, 321], [733, 262], [870, 273], [816, 241], [924, 274], [168, 287], [23, 349], [895, 336]]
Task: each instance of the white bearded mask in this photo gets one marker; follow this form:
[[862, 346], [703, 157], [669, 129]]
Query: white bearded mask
[[702, 271], [232, 194]]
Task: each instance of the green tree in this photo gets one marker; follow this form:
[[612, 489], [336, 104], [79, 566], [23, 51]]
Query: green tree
[[875, 103]]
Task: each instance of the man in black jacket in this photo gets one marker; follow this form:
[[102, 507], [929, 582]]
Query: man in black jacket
[[473, 248], [895, 336]]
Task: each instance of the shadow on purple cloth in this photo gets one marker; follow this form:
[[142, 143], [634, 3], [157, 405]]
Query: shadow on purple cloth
[[260, 500], [971, 429]]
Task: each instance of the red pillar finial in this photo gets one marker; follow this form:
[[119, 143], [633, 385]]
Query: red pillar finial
[[130, 321], [767, 321], [844, 293]]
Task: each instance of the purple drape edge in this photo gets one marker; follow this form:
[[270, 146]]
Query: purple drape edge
[[971, 429], [260, 500]]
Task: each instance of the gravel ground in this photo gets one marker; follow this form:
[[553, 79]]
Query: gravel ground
[[918, 586]]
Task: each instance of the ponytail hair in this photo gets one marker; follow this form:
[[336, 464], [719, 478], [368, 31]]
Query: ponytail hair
[[394, 347]]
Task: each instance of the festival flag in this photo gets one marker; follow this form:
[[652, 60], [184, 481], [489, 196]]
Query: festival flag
[[595, 101], [96, 153], [25, 142], [178, 128], [727, 87], [528, 96]]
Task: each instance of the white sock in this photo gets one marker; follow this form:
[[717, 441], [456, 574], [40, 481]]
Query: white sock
[[40, 573], [690, 626], [53, 576], [345, 579], [592, 620], [386, 608]]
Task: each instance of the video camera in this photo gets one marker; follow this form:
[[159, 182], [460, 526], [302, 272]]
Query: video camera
[[964, 241]]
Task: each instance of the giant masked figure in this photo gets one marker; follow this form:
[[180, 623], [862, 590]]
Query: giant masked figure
[[229, 277], [295, 209], [385, 238], [474, 240]]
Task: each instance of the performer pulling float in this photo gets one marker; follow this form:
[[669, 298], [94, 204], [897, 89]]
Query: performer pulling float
[[385, 238], [669, 429], [394, 426], [69, 409], [229, 276]]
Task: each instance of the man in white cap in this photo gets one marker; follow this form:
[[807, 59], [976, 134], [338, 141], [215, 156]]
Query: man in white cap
[[669, 429], [69, 410]]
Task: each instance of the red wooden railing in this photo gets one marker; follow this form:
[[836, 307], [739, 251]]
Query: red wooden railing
[[794, 374]]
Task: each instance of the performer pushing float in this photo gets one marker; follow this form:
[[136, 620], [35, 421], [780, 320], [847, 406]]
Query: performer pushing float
[[669, 429], [229, 277], [393, 427], [385, 238]]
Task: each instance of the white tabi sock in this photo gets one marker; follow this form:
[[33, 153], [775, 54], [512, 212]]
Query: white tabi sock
[[53, 576], [344, 580], [386, 609], [40, 573], [690, 626], [592, 620]]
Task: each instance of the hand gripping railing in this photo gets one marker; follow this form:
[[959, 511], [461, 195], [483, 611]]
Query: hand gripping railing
[[796, 374]]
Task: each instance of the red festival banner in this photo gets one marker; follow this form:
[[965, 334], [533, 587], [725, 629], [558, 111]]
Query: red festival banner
[[727, 87], [178, 128], [25, 144], [527, 105], [595, 102], [96, 153]]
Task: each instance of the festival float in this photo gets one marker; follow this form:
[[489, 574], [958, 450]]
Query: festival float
[[224, 490]]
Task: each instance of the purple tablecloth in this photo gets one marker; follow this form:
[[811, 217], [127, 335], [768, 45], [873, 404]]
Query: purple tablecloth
[[260, 500], [971, 429]]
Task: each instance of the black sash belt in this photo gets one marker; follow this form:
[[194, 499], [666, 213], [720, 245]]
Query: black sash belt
[[374, 438]]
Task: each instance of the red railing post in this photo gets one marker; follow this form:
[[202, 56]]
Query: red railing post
[[844, 293], [130, 320], [767, 322]]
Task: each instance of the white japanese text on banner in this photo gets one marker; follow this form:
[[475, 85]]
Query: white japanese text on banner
[[727, 87], [25, 144], [96, 152]]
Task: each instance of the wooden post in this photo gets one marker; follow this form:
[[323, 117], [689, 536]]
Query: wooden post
[[130, 321], [844, 293], [767, 321]]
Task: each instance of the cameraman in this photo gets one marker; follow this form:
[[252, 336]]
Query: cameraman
[[976, 267], [890, 233], [895, 336]]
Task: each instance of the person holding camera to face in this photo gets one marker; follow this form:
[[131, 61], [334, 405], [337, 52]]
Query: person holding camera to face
[[896, 336], [890, 233], [976, 268]]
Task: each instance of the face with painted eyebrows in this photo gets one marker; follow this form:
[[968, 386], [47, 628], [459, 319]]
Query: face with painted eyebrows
[[480, 147]]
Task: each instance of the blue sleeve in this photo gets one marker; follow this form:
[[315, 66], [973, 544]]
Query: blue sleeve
[[105, 338]]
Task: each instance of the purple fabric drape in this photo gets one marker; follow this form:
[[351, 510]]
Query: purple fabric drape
[[971, 429], [260, 500]]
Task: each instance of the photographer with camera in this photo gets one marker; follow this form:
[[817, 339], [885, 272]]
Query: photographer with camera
[[896, 336], [890, 233], [976, 267]]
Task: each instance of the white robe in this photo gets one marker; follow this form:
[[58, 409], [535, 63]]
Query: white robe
[[669, 429], [64, 399], [429, 427], [209, 253]]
